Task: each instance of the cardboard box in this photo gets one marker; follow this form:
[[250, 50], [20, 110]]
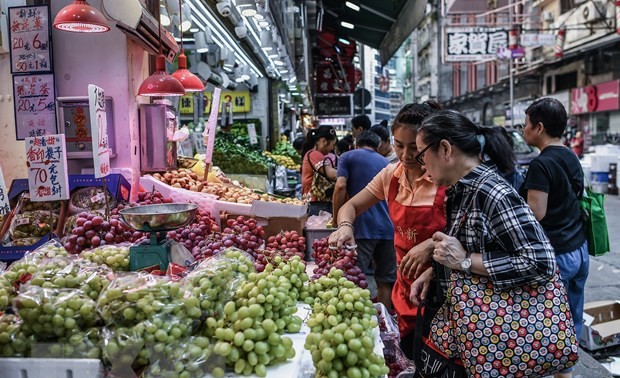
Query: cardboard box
[[272, 226], [601, 328]]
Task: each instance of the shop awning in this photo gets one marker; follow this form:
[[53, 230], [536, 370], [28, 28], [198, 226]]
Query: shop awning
[[381, 24]]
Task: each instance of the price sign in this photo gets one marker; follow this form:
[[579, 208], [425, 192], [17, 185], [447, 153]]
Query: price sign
[[46, 159], [99, 131], [29, 36], [252, 133], [209, 133], [4, 198], [199, 144], [35, 107]]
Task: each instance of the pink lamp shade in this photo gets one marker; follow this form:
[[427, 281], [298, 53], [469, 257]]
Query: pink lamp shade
[[190, 82], [160, 84], [80, 17]]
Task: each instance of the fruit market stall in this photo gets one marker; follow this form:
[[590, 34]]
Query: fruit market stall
[[240, 308]]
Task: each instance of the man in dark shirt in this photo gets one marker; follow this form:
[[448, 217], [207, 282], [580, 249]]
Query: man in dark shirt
[[552, 187]]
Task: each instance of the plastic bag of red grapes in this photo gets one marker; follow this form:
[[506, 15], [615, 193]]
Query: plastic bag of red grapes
[[395, 359]]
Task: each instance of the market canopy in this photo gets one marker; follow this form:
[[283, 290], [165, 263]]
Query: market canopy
[[380, 24]]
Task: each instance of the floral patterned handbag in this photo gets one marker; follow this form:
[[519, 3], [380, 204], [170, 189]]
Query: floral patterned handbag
[[524, 331]]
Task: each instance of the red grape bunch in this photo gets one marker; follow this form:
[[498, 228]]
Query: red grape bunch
[[92, 230], [344, 259], [285, 244], [195, 235]]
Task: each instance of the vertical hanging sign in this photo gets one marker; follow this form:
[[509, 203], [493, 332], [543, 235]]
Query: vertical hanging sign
[[252, 133], [35, 105], [209, 133], [99, 130], [4, 198], [46, 159]]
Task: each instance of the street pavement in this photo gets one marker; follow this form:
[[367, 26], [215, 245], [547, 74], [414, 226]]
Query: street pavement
[[603, 284]]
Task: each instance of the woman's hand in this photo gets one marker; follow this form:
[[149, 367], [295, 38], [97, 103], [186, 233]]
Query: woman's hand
[[341, 237], [419, 287], [416, 260], [448, 251]]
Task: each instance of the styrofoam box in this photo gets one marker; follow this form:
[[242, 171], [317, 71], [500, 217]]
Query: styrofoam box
[[50, 368], [600, 162], [607, 149]]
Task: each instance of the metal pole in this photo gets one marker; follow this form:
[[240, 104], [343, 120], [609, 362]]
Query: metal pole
[[362, 63]]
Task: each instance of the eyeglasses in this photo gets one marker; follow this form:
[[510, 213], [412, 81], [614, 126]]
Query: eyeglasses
[[420, 157]]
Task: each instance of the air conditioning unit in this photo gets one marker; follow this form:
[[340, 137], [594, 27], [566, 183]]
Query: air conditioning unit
[[205, 72], [547, 16], [593, 11], [141, 27]]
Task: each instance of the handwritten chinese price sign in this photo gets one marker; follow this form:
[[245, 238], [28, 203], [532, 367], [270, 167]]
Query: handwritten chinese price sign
[[4, 198], [46, 158], [99, 131], [30, 39], [35, 105]]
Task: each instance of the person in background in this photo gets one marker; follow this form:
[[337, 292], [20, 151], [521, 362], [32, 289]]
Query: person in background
[[344, 145], [513, 176], [552, 188], [500, 237], [385, 148], [359, 123], [415, 205], [374, 233], [298, 144], [318, 157], [576, 144]]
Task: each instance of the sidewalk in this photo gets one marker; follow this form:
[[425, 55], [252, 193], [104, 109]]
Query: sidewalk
[[588, 367]]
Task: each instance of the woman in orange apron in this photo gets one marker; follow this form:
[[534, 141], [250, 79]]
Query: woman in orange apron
[[412, 225], [416, 208]]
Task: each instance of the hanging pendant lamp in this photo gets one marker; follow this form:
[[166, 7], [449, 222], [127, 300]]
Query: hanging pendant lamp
[[190, 82], [160, 84], [80, 17]]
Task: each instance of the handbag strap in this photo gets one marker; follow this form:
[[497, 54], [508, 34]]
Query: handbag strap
[[319, 172]]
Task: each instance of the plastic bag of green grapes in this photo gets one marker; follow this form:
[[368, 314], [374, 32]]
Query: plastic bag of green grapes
[[72, 273], [215, 280], [32, 224], [143, 343], [53, 313], [77, 344], [133, 297], [115, 256], [13, 342]]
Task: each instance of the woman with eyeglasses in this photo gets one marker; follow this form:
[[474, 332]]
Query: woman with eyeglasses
[[415, 206], [490, 229], [318, 169]]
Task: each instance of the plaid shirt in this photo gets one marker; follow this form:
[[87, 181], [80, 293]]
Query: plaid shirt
[[488, 216]]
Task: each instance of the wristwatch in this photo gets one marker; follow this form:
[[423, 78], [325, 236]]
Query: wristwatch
[[466, 265]]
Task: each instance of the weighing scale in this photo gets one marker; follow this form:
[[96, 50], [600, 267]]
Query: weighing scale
[[154, 219]]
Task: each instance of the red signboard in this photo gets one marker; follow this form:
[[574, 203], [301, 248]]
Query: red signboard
[[596, 98], [330, 78]]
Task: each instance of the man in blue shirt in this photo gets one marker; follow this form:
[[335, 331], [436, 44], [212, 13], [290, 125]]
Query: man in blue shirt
[[373, 230]]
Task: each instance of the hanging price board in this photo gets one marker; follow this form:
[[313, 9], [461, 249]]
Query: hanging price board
[[99, 131], [252, 133], [4, 198], [29, 39], [35, 106], [46, 159]]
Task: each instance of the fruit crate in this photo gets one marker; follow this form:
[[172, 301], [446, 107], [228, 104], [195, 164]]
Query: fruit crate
[[50, 368], [314, 234]]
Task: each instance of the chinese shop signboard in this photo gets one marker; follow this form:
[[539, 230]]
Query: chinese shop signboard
[[46, 159], [240, 100], [331, 79], [29, 39], [4, 198], [35, 109], [334, 105], [99, 131], [474, 44], [595, 98]]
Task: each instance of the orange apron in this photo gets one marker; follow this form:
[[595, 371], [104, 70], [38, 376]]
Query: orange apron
[[412, 225]]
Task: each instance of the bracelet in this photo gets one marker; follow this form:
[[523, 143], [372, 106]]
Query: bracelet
[[346, 223]]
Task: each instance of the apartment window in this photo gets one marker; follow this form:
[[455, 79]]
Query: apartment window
[[566, 81]]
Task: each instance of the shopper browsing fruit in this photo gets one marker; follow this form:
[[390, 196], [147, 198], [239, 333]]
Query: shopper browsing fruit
[[318, 172], [416, 209], [374, 233]]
